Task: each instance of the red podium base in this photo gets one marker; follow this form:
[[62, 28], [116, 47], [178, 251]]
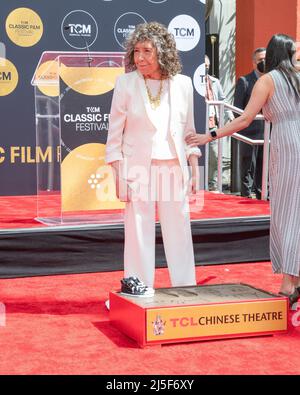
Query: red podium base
[[207, 312]]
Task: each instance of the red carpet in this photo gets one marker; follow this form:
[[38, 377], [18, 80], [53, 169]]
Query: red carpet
[[59, 325], [20, 211]]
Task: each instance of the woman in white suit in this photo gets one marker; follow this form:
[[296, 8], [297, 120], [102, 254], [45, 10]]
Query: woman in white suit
[[151, 113]]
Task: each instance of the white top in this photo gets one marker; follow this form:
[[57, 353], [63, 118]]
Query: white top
[[162, 144]]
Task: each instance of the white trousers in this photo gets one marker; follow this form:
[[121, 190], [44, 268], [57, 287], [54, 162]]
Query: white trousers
[[166, 192]]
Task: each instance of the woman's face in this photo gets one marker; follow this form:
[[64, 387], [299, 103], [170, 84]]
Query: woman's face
[[145, 59]]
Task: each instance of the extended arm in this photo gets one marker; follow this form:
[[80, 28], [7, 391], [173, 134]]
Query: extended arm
[[262, 91]]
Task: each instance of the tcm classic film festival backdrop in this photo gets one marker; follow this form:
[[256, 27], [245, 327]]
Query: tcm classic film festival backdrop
[[27, 29]]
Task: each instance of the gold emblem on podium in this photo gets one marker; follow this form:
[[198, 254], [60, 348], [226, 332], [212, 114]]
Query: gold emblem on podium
[[87, 182]]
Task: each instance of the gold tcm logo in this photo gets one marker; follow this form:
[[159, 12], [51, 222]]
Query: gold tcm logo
[[8, 77], [24, 27]]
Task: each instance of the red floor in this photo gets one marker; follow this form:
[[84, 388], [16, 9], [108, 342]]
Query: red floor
[[59, 325], [20, 211]]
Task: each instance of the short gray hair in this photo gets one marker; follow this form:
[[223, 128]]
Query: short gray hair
[[162, 40]]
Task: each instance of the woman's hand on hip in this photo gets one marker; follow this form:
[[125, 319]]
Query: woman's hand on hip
[[194, 139]]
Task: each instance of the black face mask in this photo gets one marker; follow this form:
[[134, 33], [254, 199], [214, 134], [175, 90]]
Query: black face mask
[[261, 66]]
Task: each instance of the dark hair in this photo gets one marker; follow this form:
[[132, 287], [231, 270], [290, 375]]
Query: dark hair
[[258, 50], [280, 53]]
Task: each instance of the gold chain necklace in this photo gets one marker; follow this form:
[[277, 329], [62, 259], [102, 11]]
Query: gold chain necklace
[[154, 101]]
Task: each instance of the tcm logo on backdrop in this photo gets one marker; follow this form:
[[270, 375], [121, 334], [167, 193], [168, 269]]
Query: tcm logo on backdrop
[[125, 25], [9, 77], [24, 27], [79, 29], [199, 80], [5, 76], [186, 32]]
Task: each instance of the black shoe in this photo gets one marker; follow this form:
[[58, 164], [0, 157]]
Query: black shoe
[[293, 298], [132, 286], [147, 290]]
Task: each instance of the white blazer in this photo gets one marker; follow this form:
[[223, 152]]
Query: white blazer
[[132, 124]]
